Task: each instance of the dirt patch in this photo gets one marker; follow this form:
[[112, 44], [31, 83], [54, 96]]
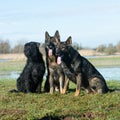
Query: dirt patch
[[21, 56], [57, 118], [84, 116], [85, 52], [12, 112], [13, 57], [91, 115]]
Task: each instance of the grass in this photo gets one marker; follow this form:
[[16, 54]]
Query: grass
[[36, 106], [105, 61], [11, 66], [15, 106]]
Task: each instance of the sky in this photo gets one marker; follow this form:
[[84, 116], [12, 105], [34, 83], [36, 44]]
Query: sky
[[89, 22]]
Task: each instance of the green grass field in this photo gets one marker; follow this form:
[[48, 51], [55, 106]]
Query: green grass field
[[11, 66], [105, 61], [22, 106]]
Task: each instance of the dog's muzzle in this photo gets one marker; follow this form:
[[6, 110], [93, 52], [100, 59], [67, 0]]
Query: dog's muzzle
[[58, 60]]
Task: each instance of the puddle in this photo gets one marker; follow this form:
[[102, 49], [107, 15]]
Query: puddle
[[9, 75], [4, 60], [112, 73]]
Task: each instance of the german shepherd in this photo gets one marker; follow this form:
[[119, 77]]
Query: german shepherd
[[55, 75], [86, 74]]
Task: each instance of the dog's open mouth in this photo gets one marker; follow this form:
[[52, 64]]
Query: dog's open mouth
[[50, 53], [59, 60]]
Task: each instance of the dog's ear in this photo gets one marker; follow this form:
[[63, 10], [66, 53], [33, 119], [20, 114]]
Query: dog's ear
[[69, 41], [38, 44], [57, 35], [47, 36], [57, 41]]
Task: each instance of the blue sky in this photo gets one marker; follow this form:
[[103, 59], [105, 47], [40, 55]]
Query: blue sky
[[89, 22]]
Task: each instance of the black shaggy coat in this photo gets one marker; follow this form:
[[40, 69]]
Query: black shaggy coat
[[30, 80]]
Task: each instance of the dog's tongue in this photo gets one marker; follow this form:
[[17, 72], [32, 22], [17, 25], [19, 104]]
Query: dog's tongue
[[59, 60], [50, 52]]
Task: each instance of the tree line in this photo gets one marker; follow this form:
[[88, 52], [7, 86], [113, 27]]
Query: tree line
[[109, 49], [5, 47]]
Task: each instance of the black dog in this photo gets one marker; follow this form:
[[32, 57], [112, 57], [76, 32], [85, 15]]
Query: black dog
[[55, 76], [32, 75], [86, 74]]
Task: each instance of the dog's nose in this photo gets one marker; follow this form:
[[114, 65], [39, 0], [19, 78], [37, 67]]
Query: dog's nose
[[57, 54], [50, 47]]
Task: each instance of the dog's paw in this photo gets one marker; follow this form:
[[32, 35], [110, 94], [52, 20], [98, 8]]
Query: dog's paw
[[63, 91], [51, 90], [77, 93]]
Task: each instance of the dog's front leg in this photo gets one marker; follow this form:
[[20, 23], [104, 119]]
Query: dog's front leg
[[27, 83], [39, 88], [51, 84], [79, 79], [65, 85], [61, 84], [61, 81]]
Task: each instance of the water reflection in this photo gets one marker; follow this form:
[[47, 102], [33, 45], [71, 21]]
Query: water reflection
[[112, 73], [9, 75], [4, 60]]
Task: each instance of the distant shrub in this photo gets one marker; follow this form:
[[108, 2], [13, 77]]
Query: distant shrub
[[18, 48], [4, 46], [110, 49], [77, 46], [118, 47], [101, 48]]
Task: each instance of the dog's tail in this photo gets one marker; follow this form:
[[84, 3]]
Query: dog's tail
[[13, 91], [114, 90]]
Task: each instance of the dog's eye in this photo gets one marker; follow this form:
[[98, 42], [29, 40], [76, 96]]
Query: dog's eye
[[63, 47]]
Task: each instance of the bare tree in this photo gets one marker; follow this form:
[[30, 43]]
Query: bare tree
[[4, 46], [18, 48], [77, 46], [118, 47], [110, 49], [101, 48]]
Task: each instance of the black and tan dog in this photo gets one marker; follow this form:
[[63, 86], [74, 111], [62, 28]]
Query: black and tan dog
[[30, 80], [55, 75], [86, 74]]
